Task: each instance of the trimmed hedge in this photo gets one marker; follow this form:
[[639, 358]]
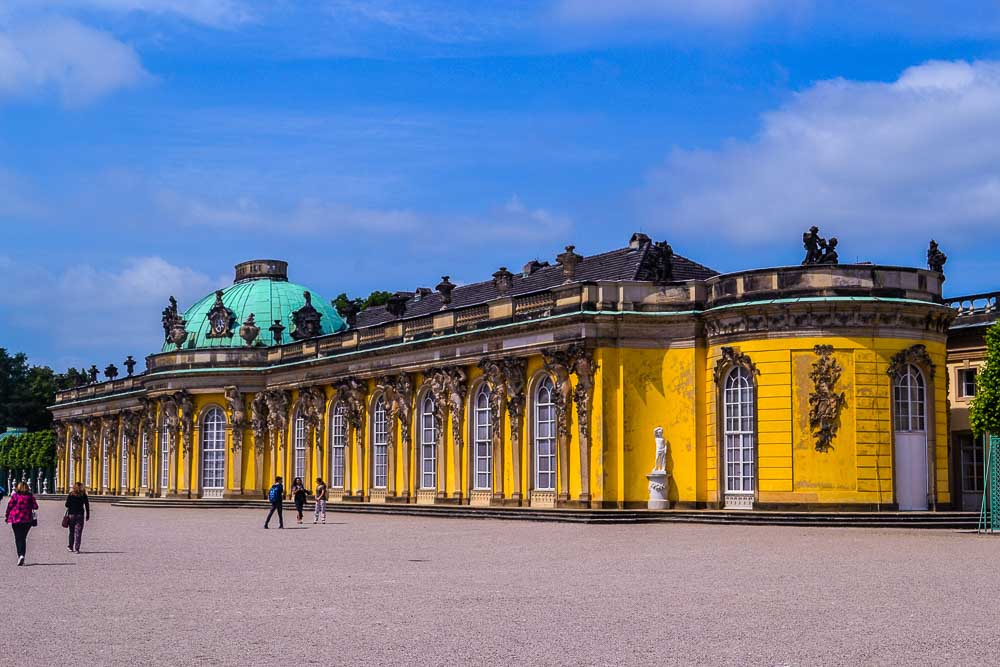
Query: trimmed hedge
[[28, 450]]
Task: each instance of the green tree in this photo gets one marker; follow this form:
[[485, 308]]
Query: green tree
[[343, 303], [984, 414]]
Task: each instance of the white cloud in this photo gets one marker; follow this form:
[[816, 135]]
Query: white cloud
[[710, 12], [216, 13], [78, 62], [97, 315], [872, 161]]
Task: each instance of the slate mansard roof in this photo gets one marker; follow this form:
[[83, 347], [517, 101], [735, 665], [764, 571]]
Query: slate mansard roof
[[623, 264]]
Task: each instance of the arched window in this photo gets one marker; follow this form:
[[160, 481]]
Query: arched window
[[87, 467], [428, 444], [908, 393], [338, 440], [738, 407], [144, 476], [545, 436], [104, 460], [124, 466], [213, 450], [299, 447], [164, 456], [380, 442], [483, 438]]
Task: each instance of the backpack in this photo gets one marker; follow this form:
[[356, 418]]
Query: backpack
[[274, 495]]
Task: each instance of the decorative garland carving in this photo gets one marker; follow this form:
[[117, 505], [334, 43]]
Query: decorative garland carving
[[493, 376], [915, 354], [236, 407], [784, 319], [825, 403], [558, 364], [731, 356], [584, 368]]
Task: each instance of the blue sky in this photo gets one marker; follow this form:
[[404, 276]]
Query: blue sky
[[146, 146]]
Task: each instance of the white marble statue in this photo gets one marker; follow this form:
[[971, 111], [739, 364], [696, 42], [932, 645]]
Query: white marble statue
[[661, 450]]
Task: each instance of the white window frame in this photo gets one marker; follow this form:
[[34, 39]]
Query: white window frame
[[545, 432], [213, 449], [105, 464], [482, 440], [739, 432], [123, 473], [164, 456], [380, 444], [909, 395], [299, 448], [338, 441], [88, 473], [144, 475], [428, 444], [964, 382]]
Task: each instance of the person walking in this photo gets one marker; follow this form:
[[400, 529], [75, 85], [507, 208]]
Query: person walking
[[299, 494], [20, 514], [320, 495], [77, 512], [275, 495]]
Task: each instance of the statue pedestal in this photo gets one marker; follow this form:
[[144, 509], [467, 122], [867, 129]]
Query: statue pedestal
[[658, 486]]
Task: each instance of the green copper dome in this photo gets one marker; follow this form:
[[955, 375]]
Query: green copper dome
[[261, 289]]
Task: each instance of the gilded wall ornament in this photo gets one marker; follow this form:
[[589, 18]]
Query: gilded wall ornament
[[825, 403], [221, 320]]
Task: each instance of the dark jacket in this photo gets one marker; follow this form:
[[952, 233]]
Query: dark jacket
[[78, 504], [280, 494]]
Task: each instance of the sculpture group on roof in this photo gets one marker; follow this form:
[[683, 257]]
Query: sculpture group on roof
[[818, 249]]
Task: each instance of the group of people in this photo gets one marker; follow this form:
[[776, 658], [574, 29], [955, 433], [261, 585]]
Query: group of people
[[299, 493], [22, 515]]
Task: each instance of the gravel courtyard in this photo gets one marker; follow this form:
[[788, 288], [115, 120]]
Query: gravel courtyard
[[173, 587]]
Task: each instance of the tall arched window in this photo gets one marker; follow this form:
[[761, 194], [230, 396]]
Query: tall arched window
[[104, 460], [87, 467], [380, 442], [144, 476], [164, 456], [213, 450], [428, 444], [483, 438], [545, 436], [908, 393], [738, 407], [338, 440], [124, 464], [299, 447]]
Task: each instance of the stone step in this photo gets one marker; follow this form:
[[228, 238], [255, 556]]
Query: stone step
[[938, 520]]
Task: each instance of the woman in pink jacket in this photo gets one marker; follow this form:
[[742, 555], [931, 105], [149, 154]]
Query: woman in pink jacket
[[20, 515]]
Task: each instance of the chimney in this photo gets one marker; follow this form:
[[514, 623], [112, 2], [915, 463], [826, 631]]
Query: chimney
[[638, 240], [533, 266], [445, 288], [569, 260]]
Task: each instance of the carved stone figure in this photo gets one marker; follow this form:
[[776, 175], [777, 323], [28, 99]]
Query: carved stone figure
[[312, 401], [276, 330], [59, 430], [237, 415], [731, 356], [396, 305], [812, 242], [249, 331], [569, 261], [503, 280], [348, 311], [221, 320], [148, 407], [111, 371], [306, 320], [178, 333], [277, 411], [935, 258], [92, 372], [170, 315], [130, 365], [818, 249], [258, 420], [825, 403], [661, 450], [76, 440], [186, 406], [445, 288], [130, 429], [658, 264], [168, 413]]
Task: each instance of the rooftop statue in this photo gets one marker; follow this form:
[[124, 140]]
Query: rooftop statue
[[818, 249], [935, 258]]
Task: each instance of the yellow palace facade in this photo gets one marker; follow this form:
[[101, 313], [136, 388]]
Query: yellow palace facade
[[816, 386]]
